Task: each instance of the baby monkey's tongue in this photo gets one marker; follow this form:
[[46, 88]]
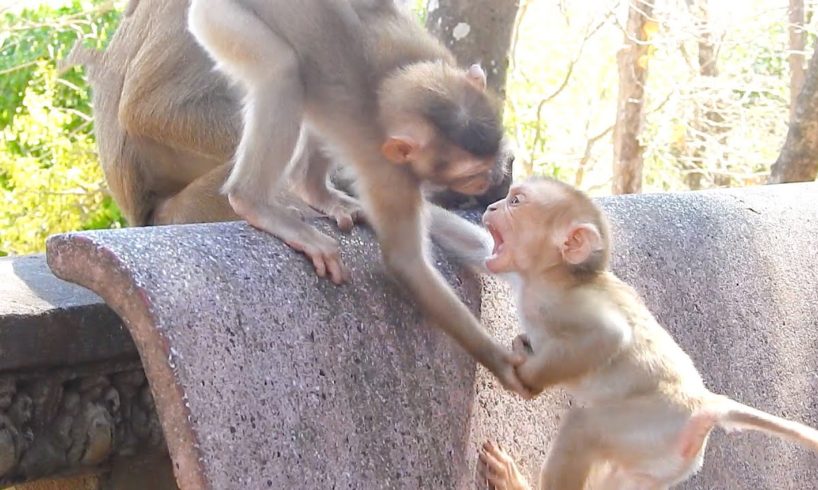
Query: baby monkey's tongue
[[498, 242]]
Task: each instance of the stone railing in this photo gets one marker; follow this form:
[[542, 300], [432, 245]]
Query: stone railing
[[265, 376]]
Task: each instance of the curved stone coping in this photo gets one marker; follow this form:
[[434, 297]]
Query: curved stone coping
[[265, 375]]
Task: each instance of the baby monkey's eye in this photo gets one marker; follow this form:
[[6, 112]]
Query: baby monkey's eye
[[515, 200]]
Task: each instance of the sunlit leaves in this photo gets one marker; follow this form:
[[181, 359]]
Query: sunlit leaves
[[50, 179]]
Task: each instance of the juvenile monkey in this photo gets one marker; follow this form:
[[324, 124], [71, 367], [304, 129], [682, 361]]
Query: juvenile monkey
[[389, 99], [645, 414]]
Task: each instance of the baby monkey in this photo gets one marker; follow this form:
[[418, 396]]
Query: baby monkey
[[644, 414]]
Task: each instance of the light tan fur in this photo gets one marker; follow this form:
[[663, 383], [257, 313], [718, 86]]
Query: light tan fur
[[644, 413], [386, 98]]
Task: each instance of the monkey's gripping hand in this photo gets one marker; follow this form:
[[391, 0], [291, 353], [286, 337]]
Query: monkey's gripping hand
[[285, 224], [505, 369], [497, 471]]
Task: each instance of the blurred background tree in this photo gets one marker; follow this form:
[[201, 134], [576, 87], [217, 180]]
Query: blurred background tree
[[609, 95], [50, 180]]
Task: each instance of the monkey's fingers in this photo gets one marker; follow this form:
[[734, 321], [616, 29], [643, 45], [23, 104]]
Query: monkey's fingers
[[346, 211], [493, 470], [506, 373], [337, 271], [344, 223], [347, 215], [513, 383], [323, 261], [502, 471]]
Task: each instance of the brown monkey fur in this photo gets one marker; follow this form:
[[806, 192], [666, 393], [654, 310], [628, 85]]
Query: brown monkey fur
[[645, 414], [167, 124]]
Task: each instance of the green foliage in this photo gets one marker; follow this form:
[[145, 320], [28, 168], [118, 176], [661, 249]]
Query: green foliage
[[50, 179]]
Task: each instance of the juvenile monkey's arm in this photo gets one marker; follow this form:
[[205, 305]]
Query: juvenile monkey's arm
[[465, 241], [583, 345]]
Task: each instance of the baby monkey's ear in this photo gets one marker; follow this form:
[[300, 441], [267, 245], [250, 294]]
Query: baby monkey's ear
[[580, 242], [477, 76]]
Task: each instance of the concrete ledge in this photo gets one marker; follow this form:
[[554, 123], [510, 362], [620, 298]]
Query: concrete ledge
[[265, 375], [46, 322]]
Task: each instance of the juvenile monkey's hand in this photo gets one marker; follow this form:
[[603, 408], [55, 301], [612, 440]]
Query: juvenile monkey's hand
[[526, 373], [496, 469]]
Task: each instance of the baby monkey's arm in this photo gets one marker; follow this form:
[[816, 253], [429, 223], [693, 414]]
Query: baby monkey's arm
[[574, 348]]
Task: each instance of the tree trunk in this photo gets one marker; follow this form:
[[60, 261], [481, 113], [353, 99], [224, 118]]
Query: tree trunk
[[798, 161], [709, 121], [633, 67], [798, 42], [477, 31]]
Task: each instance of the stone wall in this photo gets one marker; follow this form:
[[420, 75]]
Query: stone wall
[[266, 376]]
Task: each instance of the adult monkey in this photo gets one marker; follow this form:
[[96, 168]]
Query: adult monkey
[[390, 100], [167, 124]]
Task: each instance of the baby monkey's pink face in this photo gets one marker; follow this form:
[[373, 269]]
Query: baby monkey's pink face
[[513, 223], [533, 229], [538, 226]]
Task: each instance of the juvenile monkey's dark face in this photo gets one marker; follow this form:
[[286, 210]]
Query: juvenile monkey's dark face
[[455, 168], [441, 123]]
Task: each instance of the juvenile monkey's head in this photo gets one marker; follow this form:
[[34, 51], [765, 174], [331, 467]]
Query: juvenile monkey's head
[[442, 123], [546, 225]]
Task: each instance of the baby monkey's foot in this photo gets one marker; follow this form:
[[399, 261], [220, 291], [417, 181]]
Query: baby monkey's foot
[[344, 209], [497, 471]]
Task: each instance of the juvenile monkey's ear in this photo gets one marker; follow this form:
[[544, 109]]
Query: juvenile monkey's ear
[[580, 242], [477, 76], [399, 149]]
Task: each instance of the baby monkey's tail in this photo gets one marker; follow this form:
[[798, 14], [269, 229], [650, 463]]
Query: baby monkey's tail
[[733, 415]]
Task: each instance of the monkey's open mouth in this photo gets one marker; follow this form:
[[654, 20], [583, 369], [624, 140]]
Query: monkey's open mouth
[[498, 241]]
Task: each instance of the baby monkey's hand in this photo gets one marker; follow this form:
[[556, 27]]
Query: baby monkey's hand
[[521, 346]]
